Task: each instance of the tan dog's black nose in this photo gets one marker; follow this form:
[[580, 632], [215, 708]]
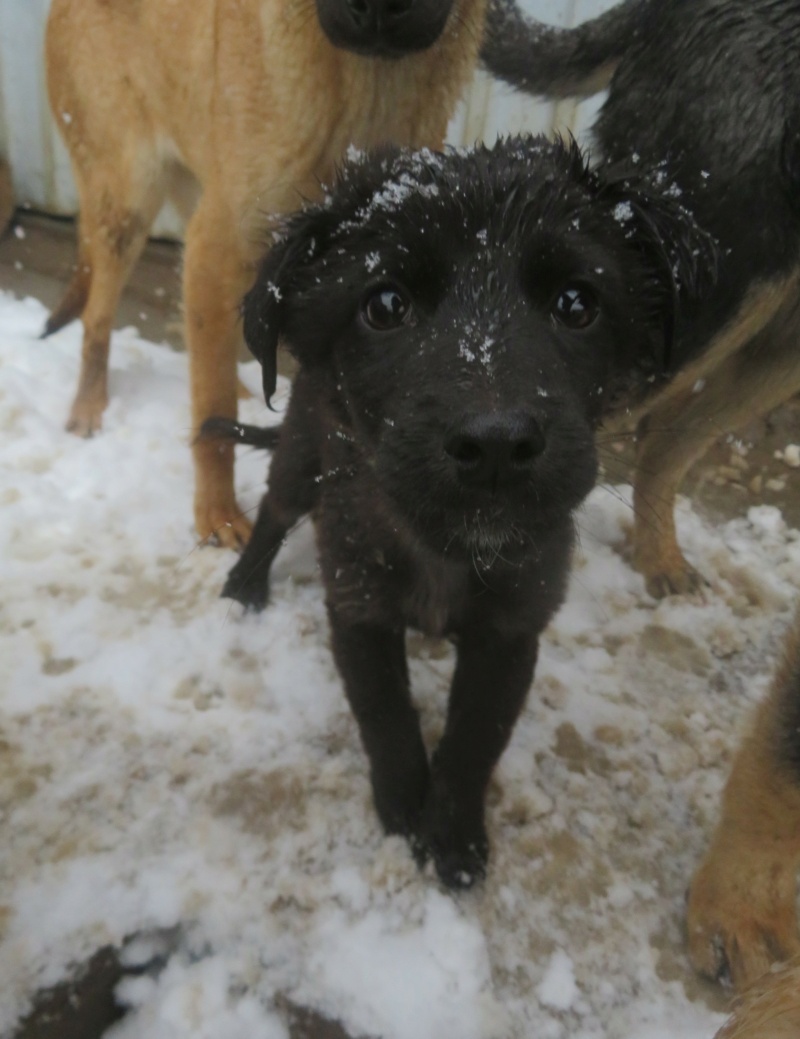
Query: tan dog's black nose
[[378, 14]]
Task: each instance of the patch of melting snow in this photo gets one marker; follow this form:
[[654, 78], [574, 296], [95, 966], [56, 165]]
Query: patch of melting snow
[[170, 763]]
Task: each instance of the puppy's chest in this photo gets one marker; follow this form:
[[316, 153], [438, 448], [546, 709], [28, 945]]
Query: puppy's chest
[[369, 584], [434, 596]]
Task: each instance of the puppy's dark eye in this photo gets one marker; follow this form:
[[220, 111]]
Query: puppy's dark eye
[[386, 308], [576, 307]]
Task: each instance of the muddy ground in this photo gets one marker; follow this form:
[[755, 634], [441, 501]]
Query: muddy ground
[[36, 258]]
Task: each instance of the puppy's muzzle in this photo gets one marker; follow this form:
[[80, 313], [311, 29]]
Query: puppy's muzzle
[[496, 450]]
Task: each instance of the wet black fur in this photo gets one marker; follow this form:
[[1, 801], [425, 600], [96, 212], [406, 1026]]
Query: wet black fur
[[709, 90], [483, 243]]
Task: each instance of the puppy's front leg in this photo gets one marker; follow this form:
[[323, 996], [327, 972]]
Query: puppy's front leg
[[372, 661], [293, 491], [248, 579], [493, 674]]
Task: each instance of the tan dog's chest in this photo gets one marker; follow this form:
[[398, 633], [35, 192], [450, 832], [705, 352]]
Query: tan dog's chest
[[259, 101], [251, 98]]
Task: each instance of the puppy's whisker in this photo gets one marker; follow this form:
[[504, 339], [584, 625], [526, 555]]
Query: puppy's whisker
[[651, 519], [652, 496], [622, 473], [618, 467]]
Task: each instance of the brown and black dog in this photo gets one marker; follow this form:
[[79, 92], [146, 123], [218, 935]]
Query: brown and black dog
[[236, 111], [709, 92]]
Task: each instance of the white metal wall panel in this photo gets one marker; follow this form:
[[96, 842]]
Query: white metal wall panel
[[39, 162], [28, 136], [491, 109]]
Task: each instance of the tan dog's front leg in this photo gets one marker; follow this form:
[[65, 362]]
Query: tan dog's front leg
[[742, 904], [217, 273]]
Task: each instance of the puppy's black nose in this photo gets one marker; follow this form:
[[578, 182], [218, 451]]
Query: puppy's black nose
[[496, 449], [378, 14]]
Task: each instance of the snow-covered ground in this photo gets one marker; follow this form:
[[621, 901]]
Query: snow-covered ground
[[173, 768]]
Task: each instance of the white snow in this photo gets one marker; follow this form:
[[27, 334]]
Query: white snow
[[623, 212], [169, 767], [557, 989]]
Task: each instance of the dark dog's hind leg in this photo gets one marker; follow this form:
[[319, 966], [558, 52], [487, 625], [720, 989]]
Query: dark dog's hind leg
[[293, 490]]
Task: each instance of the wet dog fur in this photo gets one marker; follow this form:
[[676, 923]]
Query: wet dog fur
[[243, 119], [462, 322], [709, 91]]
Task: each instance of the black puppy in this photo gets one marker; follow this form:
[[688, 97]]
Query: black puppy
[[461, 321]]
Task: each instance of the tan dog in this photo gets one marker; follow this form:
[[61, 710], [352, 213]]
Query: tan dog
[[242, 107], [742, 903], [770, 1011]]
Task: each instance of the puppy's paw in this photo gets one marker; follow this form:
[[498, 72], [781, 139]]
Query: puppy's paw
[[461, 868], [741, 914], [247, 584], [457, 843]]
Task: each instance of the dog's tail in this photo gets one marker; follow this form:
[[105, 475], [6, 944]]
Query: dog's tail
[[541, 59], [218, 428], [73, 302]]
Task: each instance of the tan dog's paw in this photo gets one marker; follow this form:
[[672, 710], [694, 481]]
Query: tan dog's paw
[[678, 580], [86, 417], [223, 525], [741, 914], [658, 558]]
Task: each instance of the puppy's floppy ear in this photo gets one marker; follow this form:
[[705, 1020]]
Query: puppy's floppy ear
[[679, 257], [303, 238]]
